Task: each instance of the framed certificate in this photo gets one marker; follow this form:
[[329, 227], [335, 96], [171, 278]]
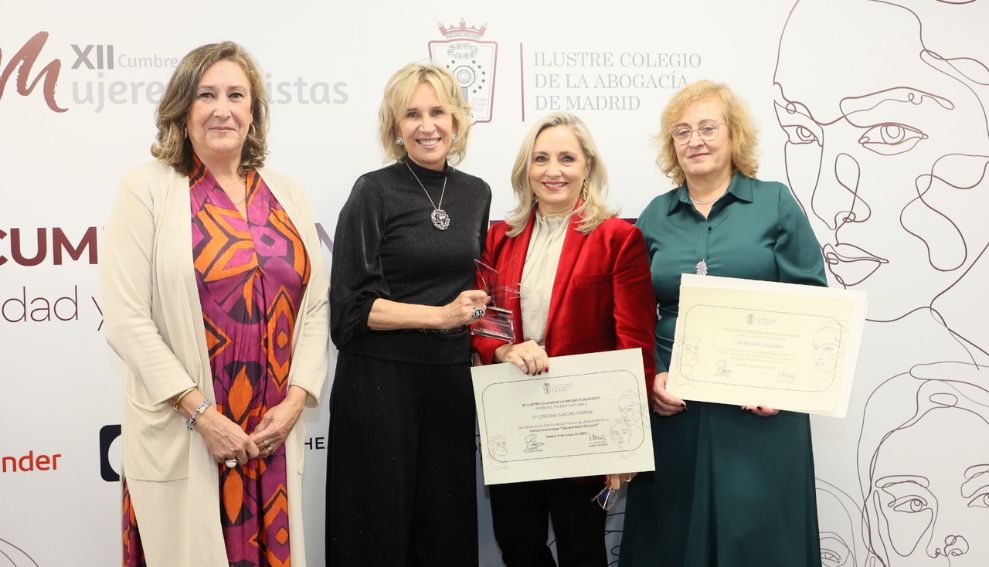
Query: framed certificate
[[588, 416], [748, 342]]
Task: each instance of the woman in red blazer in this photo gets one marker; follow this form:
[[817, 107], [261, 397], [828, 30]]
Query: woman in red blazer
[[585, 288]]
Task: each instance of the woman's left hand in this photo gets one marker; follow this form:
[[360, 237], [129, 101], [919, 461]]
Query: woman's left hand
[[529, 357], [278, 421], [761, 411]]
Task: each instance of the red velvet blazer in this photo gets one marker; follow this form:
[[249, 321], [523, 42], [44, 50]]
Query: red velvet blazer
[[602, 296]]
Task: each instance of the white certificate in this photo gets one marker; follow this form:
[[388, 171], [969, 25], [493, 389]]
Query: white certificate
[[587, 416], [747, 342]]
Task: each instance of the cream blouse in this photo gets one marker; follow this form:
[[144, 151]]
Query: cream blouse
[[539, 273]]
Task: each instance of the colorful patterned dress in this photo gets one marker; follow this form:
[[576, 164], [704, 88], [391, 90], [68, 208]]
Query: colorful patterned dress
[[251, 276]]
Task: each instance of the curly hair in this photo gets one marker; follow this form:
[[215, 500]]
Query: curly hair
[[741, 128]]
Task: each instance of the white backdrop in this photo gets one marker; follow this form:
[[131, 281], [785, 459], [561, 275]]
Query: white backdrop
[[874, 112]]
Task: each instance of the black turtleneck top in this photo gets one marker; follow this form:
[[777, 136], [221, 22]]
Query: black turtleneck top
[[386, 246]]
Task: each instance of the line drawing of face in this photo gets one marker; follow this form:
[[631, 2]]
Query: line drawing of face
[[621, 433], [924, 467], [825, 349], [13, 556], [691, 348], [499, 448], [628, 405], [840, 522], [886, 150]]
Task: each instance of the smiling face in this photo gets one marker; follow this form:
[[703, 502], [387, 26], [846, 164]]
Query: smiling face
[[932, 509], [426, 128], [220, 115], [886, 155], [702, 159], [557, 169]]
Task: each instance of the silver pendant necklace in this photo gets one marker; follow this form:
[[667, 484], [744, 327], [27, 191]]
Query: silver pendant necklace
[[440, 219]]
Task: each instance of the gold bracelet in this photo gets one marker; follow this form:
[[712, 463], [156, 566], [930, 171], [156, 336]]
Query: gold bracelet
[[182, 395]]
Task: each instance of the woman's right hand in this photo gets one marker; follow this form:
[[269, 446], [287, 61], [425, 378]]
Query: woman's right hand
[[460, 311], [529, 357], [224, 438], [663, 402]]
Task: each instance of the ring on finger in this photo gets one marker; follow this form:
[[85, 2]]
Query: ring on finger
[[478, 313], [231, 463]]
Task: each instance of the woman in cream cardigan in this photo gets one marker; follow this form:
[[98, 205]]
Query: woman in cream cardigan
[[216, 302]]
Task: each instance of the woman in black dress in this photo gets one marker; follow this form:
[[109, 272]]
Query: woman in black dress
[[401, 482]]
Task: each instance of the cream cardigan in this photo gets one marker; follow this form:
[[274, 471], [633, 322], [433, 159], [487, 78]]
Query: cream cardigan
[[154, 322]]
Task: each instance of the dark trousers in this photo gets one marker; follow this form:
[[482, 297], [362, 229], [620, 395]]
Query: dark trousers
[[521, 512], [400, 476]]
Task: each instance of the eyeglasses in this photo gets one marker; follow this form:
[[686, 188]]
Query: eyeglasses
[[706, 132]]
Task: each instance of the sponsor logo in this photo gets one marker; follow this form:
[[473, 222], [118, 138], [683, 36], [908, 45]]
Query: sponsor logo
[[472, 63], [23, 62], [30, 462], [109, 453]]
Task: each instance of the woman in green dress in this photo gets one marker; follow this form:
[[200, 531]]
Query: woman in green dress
[[733, 487]]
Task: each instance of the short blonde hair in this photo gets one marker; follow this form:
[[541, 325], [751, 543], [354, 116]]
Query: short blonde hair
[[171, 144], [594, 210], [741, 128], [399, 91]]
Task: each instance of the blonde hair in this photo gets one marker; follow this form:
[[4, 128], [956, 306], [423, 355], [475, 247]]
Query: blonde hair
[[741, 129], [399, 91], [171, 144], [593, 211]]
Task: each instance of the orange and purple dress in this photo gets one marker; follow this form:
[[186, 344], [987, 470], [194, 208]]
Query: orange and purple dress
[[251, 274]]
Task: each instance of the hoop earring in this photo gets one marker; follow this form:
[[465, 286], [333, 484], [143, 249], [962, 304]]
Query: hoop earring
[[252, 131]]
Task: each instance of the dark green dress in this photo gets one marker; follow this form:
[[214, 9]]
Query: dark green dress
[[731, 489]]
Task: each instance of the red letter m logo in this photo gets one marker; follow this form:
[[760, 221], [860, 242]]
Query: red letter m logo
[[25, 59]]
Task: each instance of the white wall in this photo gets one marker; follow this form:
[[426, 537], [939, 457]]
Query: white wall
[[909, 173]]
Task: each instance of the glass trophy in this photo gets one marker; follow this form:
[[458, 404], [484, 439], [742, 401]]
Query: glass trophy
[[497, 322], [607, 498]]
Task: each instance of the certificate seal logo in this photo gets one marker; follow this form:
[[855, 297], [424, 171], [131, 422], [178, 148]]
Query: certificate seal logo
[[472, 63]]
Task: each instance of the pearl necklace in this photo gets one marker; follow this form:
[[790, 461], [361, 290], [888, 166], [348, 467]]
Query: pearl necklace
[[708, 202]]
